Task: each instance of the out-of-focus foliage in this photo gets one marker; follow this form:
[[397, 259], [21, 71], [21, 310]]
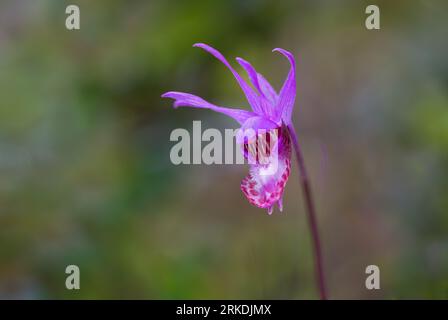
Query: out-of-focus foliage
[[84, 150]]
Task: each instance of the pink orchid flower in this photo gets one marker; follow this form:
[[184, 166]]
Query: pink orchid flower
[[270, 111]]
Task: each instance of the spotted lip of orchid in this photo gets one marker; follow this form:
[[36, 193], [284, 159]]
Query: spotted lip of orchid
[[271, 112]]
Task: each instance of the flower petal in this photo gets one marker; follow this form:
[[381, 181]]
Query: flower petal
[[264, 190], [255, 123], [251, 72], [268, 91], [251, 96], [265, 183], [287, 94], [189, 100], [259, 82], [266, 104]]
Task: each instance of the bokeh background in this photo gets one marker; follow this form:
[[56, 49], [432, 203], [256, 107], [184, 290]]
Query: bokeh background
[[86, 177]]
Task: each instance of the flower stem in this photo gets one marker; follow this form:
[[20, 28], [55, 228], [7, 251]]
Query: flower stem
[[311, 212]]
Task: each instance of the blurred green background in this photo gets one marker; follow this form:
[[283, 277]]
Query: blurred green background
[[86, 177]]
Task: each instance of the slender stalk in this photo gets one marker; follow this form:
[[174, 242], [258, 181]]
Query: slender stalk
[[311, 212]]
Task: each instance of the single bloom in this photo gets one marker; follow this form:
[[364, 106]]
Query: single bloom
[[271, 121]]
